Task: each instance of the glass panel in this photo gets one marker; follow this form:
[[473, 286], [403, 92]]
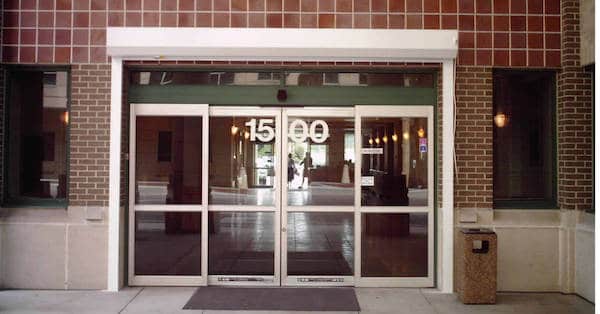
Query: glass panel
[[37, 138], [168, 243], [359, 79], [204, 78], [320, 244], [242, 161], [168, 167], [319, 172], [394, 162], [394, 245], [241, 243]]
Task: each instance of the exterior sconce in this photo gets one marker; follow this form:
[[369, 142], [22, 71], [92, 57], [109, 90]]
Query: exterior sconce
[[421, 132], [394, 137], [377, 140], [384, 138], [65, 118], [501, 120], [370, 141], [234, 130]]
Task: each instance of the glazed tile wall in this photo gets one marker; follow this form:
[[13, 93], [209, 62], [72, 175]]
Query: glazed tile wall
[[519, 33]]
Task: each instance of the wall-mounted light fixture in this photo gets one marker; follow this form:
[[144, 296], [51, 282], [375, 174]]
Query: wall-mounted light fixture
[[500, 119], [421, 132], [394, 137], [234, 130]]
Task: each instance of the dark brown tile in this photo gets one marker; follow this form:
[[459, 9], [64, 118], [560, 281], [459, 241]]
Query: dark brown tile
[[274, 5], [326, 21], [501, 6], [115, 5], [10, 54], [45, 19], [98, 19], [62, 37], [98, 54], [484, 57], [45, 37], [553, 58], [220, 20], [98, 37], [518, 58], [449, 22], [81, 19], [466, 6], [221, 5], [135, 4], [203, 20], [535, 6], [552, 41], [431, 22], [377, 6], [379, 21], [328, 5], [501, 40], [535, 41], [292, 5], [62, 54], [81, 55], [81, 5], [449, 6], [274, 20], [535, 58], [81, 37], [518, 40], [43, 5], [168, 19], [10, 36], [483, 22], [414, 6], [11, 5], [466, 22], [535, 24], [27, 54], [466, 57], [28, 37], [552, 7], [397, 5], [342, 5], [414, 22], [203, 5], [484, 40], [116, 19], [151, 5], [501, 58], [431, 6], [133, 19], [44, 54], [256, 20], [518, 6], [239, 20], [63, 5], [361, 6], [186, 5], [397, 21], [238, 5], [343, 21], [27, 19], [98, 5], [362, 21], [10, 19], [552, 23], [466, 40], [185, 19], [518, 23], [291, 20], [501, 23], [483, 6], [309, 20], [308, 5]]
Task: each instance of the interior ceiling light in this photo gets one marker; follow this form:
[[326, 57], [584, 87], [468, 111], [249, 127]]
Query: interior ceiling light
[[501, 120]]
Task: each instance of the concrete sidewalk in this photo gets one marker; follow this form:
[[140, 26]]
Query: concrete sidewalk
[[372, 300]]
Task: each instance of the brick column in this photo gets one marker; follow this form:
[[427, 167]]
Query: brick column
[[474, 136], [574, 118]]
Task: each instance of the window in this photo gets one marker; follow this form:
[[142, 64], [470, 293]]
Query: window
[[37, 118], [524, 139]]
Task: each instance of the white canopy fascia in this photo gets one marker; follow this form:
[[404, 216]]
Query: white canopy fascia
[[281, 44]]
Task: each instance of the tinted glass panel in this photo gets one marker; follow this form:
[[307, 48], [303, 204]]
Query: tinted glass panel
[[167, 243], [359, 79], [320, 244], [37, 120], [320, 162], [204, 78], [394, 162], [394, 245], [241, 243], [168, 160], [242, 163]]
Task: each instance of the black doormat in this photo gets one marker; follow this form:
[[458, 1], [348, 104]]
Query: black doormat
[[273, 299]]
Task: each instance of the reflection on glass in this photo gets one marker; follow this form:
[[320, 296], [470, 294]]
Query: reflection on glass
[[167, 243], [394, 245], [320, 244], [319, 168], [241, 243], [204, 78], [242, 161], [168, 166], [359, 79], [394, 162]]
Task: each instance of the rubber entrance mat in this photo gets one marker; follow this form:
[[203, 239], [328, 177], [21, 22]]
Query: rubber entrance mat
[[273, 299]]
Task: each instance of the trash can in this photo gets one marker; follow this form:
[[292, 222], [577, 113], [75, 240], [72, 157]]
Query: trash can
[[476, 266]]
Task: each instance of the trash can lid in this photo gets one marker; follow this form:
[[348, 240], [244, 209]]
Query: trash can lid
[[477, 231]]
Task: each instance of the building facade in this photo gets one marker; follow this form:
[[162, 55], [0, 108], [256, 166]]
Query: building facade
[[348, 190]]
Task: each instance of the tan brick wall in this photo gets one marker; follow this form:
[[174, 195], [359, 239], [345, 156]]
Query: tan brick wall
[[473, 179], [574, 118], [90, 127]]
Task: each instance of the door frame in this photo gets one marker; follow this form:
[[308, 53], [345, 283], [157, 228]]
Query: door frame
[[168, 110]]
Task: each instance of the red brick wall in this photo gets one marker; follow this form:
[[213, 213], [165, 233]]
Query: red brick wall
[[501, 33], [90, 127], [574, 120], [473, 181]]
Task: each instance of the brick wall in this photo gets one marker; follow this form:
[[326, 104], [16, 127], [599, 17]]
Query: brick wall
[[89, 140], [574, 118], [473, 179]]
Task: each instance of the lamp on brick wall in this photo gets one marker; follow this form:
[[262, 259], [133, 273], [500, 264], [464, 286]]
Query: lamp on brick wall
[[500, 119]]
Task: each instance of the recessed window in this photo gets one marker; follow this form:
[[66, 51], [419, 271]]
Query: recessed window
[[37, 118], [524, 139]]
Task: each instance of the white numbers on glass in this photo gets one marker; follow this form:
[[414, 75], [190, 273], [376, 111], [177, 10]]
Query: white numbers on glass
[[266, 133], [298, 131]]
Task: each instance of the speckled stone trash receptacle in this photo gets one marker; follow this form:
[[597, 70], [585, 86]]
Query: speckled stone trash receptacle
[[476, 267]]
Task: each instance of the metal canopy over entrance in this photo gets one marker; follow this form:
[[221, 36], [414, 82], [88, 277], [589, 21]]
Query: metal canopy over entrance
[[283, 45]]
